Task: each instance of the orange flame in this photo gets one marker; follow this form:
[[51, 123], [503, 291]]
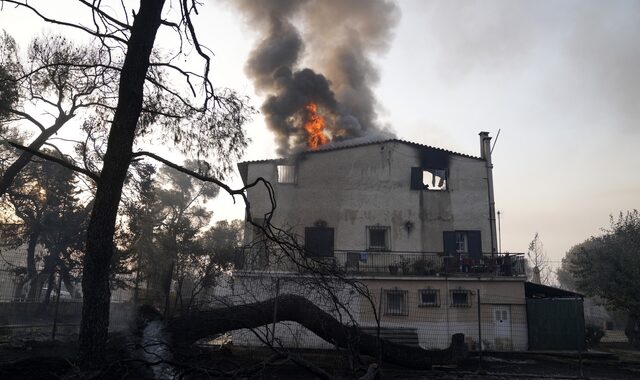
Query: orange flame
[[314, 127]]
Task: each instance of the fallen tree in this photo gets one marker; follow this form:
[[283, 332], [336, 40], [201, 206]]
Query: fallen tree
[[188, 328]]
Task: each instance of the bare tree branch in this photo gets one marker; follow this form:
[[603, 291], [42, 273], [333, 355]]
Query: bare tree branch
[[57, 160]]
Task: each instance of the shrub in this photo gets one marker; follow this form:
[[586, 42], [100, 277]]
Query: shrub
[[592, 335]]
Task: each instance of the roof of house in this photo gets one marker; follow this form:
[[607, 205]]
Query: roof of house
[[349, 144], [358, 142], [533, 290]]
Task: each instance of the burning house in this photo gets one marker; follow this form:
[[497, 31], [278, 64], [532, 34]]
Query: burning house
[[413, 223]]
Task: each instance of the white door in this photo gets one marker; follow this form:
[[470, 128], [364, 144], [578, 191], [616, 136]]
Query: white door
[[502, 320]]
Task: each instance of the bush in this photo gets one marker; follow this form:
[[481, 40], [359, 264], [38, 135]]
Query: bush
[[592, 335]]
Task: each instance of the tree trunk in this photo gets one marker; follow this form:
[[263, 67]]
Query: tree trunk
[[32, 273], [99, 248], [189, 328]]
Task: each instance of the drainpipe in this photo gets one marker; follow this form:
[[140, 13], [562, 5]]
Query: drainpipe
[[485, 154]]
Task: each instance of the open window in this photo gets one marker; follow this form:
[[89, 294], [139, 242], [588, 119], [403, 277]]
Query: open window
[[286, 173], [396, 302], [429, 298], [378, 238], [463, 242], [460, 298], [428, 179]]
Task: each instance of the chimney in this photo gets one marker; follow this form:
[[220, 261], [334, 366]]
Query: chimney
[[485, 154], [485, 146]]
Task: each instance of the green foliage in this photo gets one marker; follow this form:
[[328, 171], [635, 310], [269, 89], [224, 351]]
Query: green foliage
[[8, 93], [167, 236], [608, 266], [45, 203], [8, 85]]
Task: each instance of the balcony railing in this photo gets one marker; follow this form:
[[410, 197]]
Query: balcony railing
[[375, 263], [429, 263]]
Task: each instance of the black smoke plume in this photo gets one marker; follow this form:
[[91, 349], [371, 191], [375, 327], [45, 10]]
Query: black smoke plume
[[335, 37]]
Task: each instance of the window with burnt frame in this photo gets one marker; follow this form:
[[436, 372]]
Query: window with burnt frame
[[429, 179], [378, 238], [396, 302]]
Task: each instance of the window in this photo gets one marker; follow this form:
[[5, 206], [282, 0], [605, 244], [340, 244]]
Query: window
[[378, 238], [461, 242], [396, 302], [428, 179], [429, 298], [318, 241], [460, 298], [434, 179], [286, 173]]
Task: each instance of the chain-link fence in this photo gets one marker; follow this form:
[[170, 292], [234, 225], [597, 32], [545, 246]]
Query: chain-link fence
[[45, 307], [423, 314]]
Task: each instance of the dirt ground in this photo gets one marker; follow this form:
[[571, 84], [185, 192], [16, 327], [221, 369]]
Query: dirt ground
[[55, 360]]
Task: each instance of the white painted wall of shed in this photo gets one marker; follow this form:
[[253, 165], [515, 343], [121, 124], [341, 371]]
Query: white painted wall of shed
[[369, 185]]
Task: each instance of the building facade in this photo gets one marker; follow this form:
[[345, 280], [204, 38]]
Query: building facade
[[414, 223]]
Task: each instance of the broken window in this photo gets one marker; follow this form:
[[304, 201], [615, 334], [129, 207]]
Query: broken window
[[460, 298], [428, 179], [434, 179], [286, 173], [428, 298], [396, 302], [378, 238]]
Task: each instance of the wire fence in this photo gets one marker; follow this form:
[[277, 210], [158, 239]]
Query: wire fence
[[423, 314]]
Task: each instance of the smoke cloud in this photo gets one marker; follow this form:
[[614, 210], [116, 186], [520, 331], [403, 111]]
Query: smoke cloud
[[338, 38]]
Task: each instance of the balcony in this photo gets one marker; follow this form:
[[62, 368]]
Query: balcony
[[374, 263], [429, 264]]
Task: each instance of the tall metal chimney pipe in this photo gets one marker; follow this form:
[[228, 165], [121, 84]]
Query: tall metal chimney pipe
[[485, 154]]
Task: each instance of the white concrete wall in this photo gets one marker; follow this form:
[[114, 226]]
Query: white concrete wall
[[434, 325], [369, 185]]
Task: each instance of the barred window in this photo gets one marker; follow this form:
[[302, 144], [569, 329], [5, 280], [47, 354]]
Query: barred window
[[460, 298], [429, 298], [396, 302], [378, 238]]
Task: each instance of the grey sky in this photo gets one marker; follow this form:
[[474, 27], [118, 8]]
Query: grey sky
[[561, 79]]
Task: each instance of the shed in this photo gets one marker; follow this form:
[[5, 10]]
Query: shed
[[555, 318]]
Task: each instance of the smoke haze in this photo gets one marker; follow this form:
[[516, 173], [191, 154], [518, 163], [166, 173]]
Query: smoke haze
[[337, 39]]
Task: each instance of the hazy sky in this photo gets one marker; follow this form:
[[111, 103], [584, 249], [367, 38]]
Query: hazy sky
[[561, 79]]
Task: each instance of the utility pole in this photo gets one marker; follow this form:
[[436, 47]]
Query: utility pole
[[499, 234]]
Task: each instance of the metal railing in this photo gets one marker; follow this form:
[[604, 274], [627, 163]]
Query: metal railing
[[385, 263]]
